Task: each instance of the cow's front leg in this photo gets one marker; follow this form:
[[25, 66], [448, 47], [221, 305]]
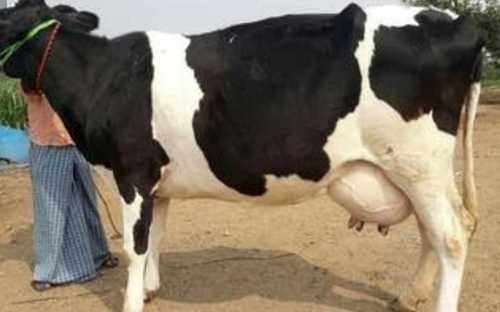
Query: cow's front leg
[[152, 276], [137, 215]]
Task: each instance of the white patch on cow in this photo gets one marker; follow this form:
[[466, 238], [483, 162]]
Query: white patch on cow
[[390, 15], [162, 174], [176, 97], [346, 142]]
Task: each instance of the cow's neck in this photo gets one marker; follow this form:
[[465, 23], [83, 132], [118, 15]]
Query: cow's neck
[[73, 69]]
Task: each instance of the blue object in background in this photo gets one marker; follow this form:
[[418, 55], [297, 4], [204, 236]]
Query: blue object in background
[[14, 145]]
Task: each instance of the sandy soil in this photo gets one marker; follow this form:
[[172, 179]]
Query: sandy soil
[[223, 257]]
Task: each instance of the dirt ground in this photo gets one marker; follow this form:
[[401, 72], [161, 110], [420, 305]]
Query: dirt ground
[[228, 258]]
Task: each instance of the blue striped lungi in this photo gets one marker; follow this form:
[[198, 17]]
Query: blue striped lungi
[[69, 241]]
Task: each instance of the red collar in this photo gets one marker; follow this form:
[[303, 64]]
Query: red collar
[[45, 58]]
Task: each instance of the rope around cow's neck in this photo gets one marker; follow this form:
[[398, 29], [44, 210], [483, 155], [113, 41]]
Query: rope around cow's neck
[[45, 58], [6, 54]]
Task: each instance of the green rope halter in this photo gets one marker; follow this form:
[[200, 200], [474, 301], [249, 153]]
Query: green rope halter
[[10, 50]]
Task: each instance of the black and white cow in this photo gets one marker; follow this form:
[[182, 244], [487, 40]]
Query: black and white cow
[[270, 112]]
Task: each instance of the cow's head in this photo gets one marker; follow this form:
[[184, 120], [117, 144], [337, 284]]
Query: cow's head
[[18, 21]]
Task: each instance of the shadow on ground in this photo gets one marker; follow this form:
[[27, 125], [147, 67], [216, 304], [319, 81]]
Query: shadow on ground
[[226, 274]]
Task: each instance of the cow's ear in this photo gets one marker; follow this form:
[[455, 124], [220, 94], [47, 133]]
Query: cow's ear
[[73, 19], [88, 20]]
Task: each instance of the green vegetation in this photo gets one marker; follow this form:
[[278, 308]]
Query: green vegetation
[[12, 106], [491, 76]]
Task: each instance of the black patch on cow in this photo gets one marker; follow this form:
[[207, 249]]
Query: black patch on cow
[[430, 67], [273, 93], [143, 225]]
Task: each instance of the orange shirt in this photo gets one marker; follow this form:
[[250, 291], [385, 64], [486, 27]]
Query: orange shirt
[[45, 127]]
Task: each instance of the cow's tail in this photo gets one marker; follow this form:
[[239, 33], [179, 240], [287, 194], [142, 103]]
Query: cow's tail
[[469, 185], [477, 38]]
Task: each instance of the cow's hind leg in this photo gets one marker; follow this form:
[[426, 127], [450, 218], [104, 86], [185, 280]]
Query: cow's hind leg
[[420, 288], [443, 225], [152, 275]]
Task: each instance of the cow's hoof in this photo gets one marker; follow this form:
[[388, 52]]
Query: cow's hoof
[[130, 308], [397, 305], [149, 296], [133, 305]]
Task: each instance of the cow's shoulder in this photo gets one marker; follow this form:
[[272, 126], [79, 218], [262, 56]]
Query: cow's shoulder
[[122, 128]]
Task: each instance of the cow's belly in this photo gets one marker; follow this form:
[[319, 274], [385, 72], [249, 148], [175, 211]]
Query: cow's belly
[[189, 175], [179, 183]]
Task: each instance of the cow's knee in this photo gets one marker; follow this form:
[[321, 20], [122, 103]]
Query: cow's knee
[[468, 220], [456, 236], [456, 247]]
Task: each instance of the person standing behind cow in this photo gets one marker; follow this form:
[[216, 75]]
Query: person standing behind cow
[[69, 241]]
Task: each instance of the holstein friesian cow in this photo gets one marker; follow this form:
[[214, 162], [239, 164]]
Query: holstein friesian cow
[[270, 112]]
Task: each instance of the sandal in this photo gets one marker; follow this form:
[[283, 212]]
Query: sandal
[[111, 262], [41, 286]]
